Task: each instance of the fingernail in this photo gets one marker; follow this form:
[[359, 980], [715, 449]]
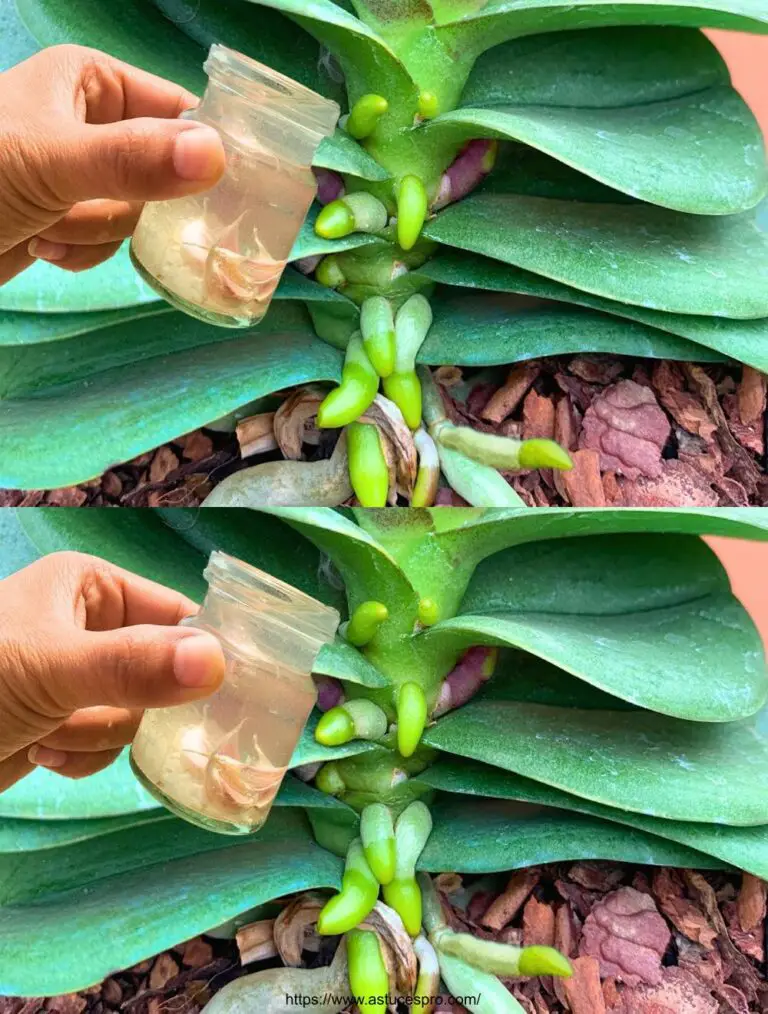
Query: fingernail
[[199, 661], [44, 757], [198, 154], [44, 250]]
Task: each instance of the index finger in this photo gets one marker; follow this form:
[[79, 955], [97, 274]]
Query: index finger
[[119, 91], [142, 601]]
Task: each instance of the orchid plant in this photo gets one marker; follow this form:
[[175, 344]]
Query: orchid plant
[[509, 687], [511, 179]]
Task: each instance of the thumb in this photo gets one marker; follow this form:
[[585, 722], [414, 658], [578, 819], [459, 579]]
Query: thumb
[[139, 667], [136, 160]]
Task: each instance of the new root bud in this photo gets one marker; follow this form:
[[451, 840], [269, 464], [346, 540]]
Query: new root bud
[[330, 692], [467, 172], [359, 384], [328, 272], [474, 668], [412, 210], [377, 832], [503, 959], [365, 622], [330, 186], [403, 893], [429, 612], [328, 779], [358, 719], [365, 115], [377, 324], [368, 469], [501, 452], [359, 891], [411, 718], [412, 324], [357, 212], [428, 476], [368, 977], [428, 105]]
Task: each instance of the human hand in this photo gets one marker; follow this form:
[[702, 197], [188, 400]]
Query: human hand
[[84, 647], [84, 141]]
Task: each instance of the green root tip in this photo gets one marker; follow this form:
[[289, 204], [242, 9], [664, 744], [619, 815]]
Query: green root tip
[[328, 273], [335, 221], [344, 405], [329, 781], [429, 612], [544, 961], [381, 859], [412, 208], [428, 106], [365, 621], [335, 728], [411, 718], [544, 454], [365, 115], [405, 897], [368, 976], [405, 390], [368, 469]]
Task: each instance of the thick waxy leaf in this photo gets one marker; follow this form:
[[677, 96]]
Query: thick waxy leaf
[[44, 288], [33, 835], [483, 836], [344, 155], [659, 604], [34, 328], [127, 897], [489, 331], [635, 253], [17, 550], [743, 847], [483, 534], [639, 761], [264, 35], [369, 64], [368, 570], [596, 69], [114, 401], [744, 340], [347, 663], [489, 24], [18, 44], [44, 795], [701, 153]]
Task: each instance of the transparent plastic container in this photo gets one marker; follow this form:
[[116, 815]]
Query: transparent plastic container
[[219, 255], [220, 762]]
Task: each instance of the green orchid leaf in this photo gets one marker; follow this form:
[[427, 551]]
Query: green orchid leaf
[[491, 23], [638, 761], [116, 900], [600, 68], [344, 155], [344, 662], [263, 541], [18, 44], [126, 390], [584, 603], [44, 288], [264, 35], [43, 795], [368, 62], [368, 571], [35, 328], [17, 550], [492, 330], [634, 253], [493, 530], [700, 153], [486, 836], [34, 835], [743, 340], [746, 848]]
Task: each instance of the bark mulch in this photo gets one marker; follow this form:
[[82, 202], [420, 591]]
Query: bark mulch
[[642, 433], [642, 940]]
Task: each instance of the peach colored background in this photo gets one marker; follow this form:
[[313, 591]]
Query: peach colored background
[[747, 562], [747, 565]]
